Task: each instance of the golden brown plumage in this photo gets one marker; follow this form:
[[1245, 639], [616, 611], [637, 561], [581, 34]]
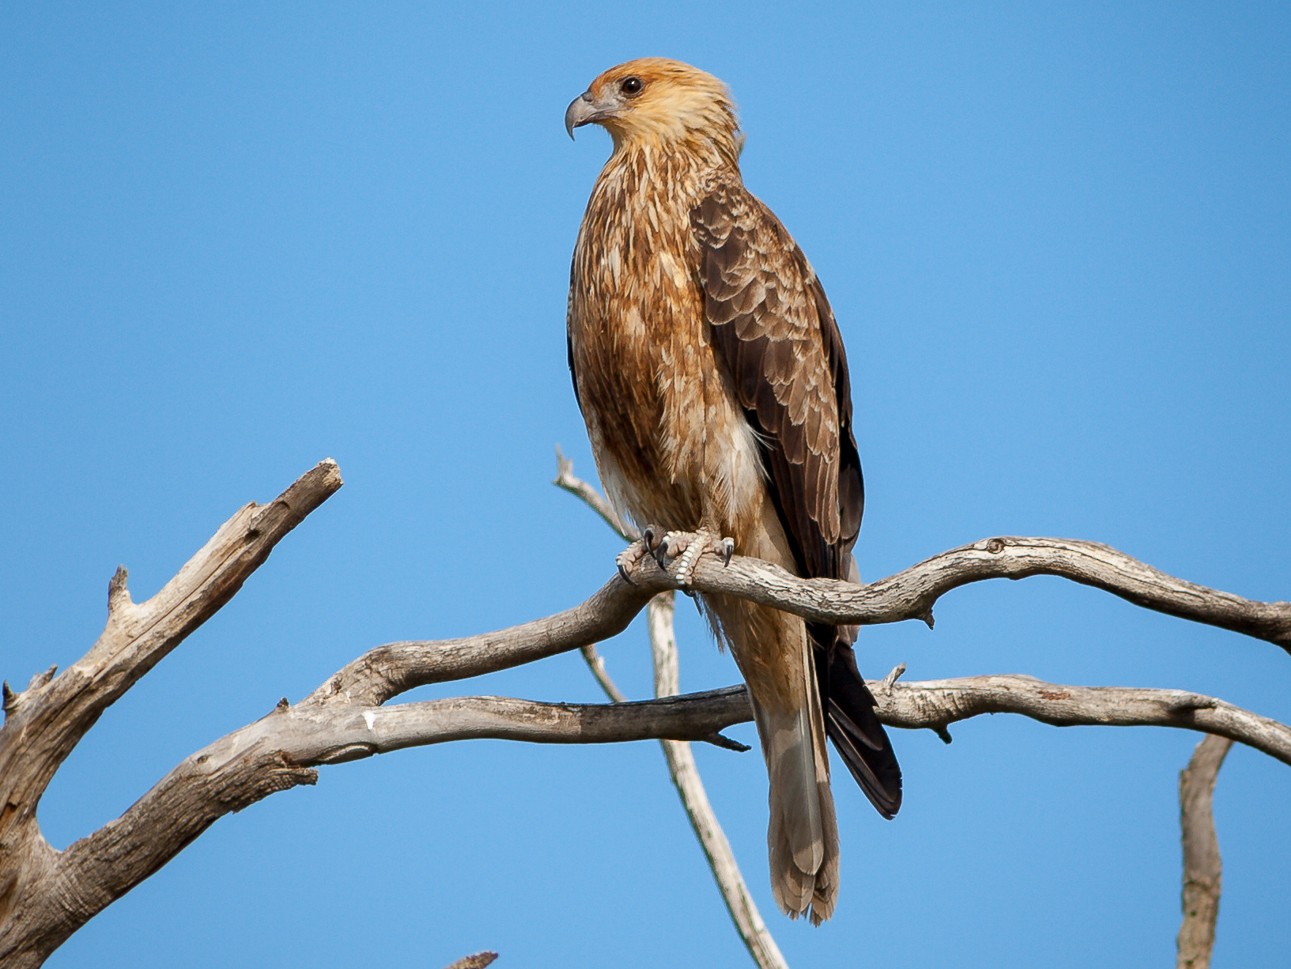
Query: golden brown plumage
[[713, 381]]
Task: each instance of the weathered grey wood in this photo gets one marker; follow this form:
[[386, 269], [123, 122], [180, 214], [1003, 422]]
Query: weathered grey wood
[[1202, 866], [46, 895], [42, 897], [911, 594], [393, 668], [935, 704], [684, 772]]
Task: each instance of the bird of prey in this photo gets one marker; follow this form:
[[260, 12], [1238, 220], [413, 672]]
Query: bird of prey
[[711, 375]]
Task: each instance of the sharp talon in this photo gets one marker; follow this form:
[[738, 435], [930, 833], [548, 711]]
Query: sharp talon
[[629, 559], [663, 550], [728, 549], [648, 536]]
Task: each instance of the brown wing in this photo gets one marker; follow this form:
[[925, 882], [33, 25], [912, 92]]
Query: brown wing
[[772, 327]]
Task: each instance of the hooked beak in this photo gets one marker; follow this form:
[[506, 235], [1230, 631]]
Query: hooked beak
[[584, 110]]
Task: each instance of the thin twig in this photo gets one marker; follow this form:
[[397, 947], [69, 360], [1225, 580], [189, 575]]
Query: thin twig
[[596, 664], [579, 488], [677, 753], [685, 777]]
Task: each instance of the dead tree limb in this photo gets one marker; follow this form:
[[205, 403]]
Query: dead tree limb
[[684, 772], [682, 769], [46, 895], [1202, 867]]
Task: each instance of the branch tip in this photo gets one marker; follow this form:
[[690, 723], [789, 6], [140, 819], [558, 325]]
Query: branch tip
[[477, 961], [727, 743], [40, 679], [890, 680], [564, 467], [118, 592]]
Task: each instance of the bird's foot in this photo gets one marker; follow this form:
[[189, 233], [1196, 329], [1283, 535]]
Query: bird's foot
[[686, 547], [631, 557]]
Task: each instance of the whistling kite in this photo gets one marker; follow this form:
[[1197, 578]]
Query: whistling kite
[[713, 381]]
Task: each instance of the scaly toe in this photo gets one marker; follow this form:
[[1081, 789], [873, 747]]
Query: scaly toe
[[629, 559], [690, 548]]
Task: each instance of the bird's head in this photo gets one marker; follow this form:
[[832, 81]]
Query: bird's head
[[656, 101]]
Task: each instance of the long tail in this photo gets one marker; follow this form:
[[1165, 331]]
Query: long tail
[[776, 659], [852, 724]]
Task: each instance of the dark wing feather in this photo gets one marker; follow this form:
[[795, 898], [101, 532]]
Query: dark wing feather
[[773, 328], [569, 339]]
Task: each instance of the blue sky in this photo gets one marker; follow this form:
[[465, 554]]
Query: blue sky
[[236, 240]]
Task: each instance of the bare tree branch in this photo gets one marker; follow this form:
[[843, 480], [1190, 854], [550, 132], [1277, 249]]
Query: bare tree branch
[[911, 594], [60, 709], [388, 670], [46, 895], [937, 703], [567, 481], [41, 902], [1202, 867], [276, 752], [477, 961], [682, 768], [703, 819]]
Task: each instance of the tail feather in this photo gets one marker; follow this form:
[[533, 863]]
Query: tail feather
[[791, 767], [802, 834], [778, 663], [855, 729]]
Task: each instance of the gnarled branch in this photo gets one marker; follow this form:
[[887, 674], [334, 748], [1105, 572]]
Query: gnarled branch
[[46, 895]]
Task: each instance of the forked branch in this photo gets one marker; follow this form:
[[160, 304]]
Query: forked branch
[[46, 895]]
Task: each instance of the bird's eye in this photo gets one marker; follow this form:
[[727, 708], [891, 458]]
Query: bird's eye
[[631, 86]]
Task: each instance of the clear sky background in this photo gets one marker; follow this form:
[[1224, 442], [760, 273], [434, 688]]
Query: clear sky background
[[236, 240]]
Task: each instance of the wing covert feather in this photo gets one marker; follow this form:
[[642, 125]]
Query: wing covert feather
[[772, 327]]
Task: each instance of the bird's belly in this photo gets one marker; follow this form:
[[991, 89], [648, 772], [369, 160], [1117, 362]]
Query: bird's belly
[[697, 465]]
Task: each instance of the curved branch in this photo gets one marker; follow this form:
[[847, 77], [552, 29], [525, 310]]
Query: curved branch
[[46, 895], [277, 752], [937, 703], [395, 668], [389, 670], [910, 594]]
